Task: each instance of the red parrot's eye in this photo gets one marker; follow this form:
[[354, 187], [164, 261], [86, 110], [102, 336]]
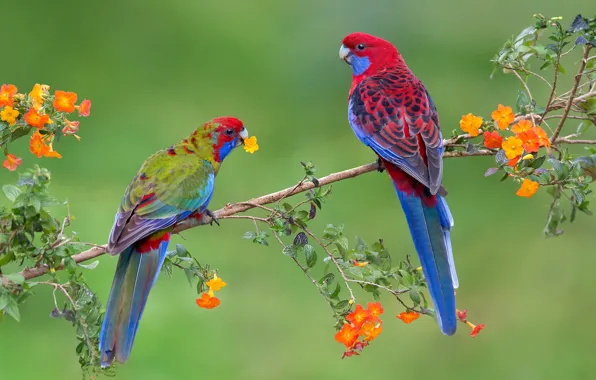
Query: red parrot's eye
[[360, 47], [229, 131]]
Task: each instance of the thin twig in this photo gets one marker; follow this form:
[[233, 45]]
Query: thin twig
[[334, 260], [578, 78]]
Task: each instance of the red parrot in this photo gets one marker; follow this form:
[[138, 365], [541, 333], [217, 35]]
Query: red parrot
[[391, 112]]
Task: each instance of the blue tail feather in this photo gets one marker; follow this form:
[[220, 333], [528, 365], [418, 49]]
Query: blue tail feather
[[136, 274], [430, 229]]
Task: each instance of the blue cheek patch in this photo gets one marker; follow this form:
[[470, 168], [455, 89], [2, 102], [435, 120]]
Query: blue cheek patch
[[226, 148], [359, 64]]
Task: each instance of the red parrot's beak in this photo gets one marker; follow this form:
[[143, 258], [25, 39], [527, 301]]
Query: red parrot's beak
[[345, 54]]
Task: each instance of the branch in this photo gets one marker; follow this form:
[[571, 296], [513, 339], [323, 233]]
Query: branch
[[235, 208], [578, 78]]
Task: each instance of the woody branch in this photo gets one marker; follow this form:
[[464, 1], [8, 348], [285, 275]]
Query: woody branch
[[231, 209]]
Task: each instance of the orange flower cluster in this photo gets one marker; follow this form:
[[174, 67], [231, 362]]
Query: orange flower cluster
[[365, 323], [208, 299], [20, 111], [527, 139]]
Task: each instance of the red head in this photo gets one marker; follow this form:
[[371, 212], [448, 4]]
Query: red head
[[225, 134], [368, 54]]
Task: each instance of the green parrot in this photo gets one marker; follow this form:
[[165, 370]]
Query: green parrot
[[172, 185]]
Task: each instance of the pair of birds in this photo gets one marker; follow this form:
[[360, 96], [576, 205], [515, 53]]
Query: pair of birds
[[389, 110]]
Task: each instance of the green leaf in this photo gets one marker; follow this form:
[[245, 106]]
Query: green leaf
[[93, 265], [310, 255], [335, 292], [17, 278], [341, 305], [414, 296], [343, 243], [523, 100], [4, 299], [11, 192], [12, 309], [327, 279], [290, 250], [537, 162]]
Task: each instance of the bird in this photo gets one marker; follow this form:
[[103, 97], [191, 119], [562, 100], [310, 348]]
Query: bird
[[391, 112], [171, 185]]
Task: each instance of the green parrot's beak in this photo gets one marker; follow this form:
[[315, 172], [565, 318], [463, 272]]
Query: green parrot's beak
[[243, 135]]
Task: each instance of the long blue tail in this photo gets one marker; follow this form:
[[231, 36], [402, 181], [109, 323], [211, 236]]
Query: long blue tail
[[430, 228], [136, 272]]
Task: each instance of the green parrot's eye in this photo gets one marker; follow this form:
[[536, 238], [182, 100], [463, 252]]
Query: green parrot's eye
[[229, 131]]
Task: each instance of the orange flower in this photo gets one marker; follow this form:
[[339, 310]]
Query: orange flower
[[503, 116], [528, 188], [371, 331], [37, 95], [7, 92], [348, 335], [542, 136], [530, 141], [513, 147], [70, 127], [375, 309], [522, 126], [358, 316], [216, 284], [408, 316], [470, 124], [12, 162], [493, 140], [34, 119], [359, 263], [9, 115], [65, 101], [207, 301], [475, 329], [85, 108], [513, 161], [52, 153], [37, 146]]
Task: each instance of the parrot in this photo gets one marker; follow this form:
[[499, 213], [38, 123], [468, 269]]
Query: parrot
[[390, 111], [173, 184]]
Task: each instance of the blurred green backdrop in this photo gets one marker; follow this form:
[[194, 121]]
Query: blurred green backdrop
[[154, 70]]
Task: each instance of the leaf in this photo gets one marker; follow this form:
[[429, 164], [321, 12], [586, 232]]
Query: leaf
[[490, 171], [536, 163], [313, 211], [578, 24], [327, 279], [310, 255], [581, 40], [16, 278], [12, 309], [4, 299], [560, 169], [290, 250], [501, 158], [523, 100], [343, 243], [414, 296], [93, 265], [11, 192], [335, 292], [300, 239], [341, 305]]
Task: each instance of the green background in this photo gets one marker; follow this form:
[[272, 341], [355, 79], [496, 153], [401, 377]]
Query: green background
[[154, 70]]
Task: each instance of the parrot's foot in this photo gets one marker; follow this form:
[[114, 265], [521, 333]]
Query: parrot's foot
[[210, 214], [380, 166]]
